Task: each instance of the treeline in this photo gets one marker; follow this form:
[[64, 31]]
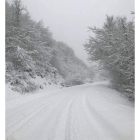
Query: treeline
[[31, 50], [112, 46]]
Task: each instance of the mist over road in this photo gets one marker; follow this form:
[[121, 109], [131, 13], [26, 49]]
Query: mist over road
[[86, 112]]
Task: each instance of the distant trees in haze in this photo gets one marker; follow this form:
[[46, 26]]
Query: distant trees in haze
[[68, 65], [113, 47]]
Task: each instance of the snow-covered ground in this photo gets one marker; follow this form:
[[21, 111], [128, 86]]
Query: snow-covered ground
[[85, 112]]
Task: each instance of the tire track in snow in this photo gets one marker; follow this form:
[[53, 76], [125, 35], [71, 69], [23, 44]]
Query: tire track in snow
[[81, 127], [21, 123], [64, 114], [103, 127], [26, 110], [75, 114], [42, 119], [68, 127], [24, 104]]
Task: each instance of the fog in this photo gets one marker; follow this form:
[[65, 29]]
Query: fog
[[68, 20]]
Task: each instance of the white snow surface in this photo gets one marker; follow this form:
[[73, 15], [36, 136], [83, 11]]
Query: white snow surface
[[85, 112]]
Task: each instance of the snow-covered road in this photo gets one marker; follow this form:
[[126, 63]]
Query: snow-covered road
[[87, 112]]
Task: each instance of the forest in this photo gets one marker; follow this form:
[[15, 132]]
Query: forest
[[32, 51]]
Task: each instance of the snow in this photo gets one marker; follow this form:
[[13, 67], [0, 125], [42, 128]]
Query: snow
[[14, 98], [85, 112]]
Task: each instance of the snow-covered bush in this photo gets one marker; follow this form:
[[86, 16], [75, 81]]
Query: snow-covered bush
[[21, 83]]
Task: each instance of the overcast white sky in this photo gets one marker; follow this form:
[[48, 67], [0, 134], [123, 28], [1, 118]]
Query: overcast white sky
[[68, 19]]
